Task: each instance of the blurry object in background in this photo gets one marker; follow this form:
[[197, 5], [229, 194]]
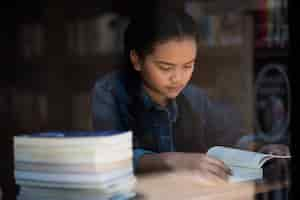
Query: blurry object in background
[[75, 36], [194, 9], [32, 40], [106, 30], [273, 114], [222, 29], [271, 24], [81, 113], [231, 29], [102, 34], [209, 29], [273, 102], [273, 108], [29, 109], [208, 24]]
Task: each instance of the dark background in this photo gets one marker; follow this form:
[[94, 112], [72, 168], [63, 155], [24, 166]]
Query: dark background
[[48, 77]]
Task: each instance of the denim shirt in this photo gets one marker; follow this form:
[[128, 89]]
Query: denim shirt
[[114, 106]]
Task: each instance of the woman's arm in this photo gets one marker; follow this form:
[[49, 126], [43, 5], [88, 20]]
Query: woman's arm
[[200, 166], [106, 116]]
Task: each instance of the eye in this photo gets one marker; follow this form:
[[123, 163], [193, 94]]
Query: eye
[[188, 66], [165, 67]]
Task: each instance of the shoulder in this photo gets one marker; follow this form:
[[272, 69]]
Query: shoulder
[[196, 96], [108, 81], [107, 88]]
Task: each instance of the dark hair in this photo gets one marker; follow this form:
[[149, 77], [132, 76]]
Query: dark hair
[[156, 25], [148, 26]]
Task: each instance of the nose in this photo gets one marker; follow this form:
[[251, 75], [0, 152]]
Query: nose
[[176, 76]]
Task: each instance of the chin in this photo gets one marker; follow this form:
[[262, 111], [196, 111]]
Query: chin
[[173, 95]]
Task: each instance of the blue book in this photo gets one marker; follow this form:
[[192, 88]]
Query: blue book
[[57, 134], [74, 138]]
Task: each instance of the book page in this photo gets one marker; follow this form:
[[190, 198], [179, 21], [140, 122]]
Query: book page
[[237, 157], [271, 156], [245, 174]]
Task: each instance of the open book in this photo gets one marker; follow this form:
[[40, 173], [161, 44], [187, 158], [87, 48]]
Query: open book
[[245, 165]]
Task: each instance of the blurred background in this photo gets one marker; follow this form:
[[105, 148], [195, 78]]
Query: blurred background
[[53, 51]]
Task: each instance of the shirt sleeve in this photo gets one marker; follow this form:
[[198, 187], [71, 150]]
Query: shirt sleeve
[[137, 154], [106, 116]]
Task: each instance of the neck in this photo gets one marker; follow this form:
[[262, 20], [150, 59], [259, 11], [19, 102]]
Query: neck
[[156, 97]]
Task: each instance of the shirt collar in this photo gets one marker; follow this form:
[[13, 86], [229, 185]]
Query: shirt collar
[[149, 104]]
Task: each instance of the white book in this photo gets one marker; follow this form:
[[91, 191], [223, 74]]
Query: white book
[[38, 193], [74, 147], [108, 185], [64, 139], [73, 168], [125, 144], [72, 177], [245, 165], [84, 156]]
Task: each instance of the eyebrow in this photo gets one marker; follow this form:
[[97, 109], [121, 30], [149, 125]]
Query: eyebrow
[[172, 64]]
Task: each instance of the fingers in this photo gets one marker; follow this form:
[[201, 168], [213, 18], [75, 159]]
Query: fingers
[[219, 171], [203, 167], [212, 179], [215, 179], [214, 167], [219, 164], [203, 178]]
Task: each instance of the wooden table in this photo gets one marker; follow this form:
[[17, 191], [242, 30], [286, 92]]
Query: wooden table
[[177, 186], [181, 187]]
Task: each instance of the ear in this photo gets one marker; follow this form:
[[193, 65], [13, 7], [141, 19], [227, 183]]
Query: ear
[[134, 58]]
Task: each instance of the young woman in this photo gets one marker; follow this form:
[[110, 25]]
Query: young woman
[[173, 122]]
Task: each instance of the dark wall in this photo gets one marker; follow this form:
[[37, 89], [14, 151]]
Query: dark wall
[[7, 77]]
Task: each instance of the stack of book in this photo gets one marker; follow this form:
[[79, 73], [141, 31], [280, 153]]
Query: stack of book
[[74, 165], [271, 27]]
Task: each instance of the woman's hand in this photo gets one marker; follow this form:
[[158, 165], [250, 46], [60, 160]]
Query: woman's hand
[[199, 166]]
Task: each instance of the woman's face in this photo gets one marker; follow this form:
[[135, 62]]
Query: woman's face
[[168, 69]]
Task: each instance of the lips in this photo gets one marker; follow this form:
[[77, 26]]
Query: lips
[[175, 88]]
